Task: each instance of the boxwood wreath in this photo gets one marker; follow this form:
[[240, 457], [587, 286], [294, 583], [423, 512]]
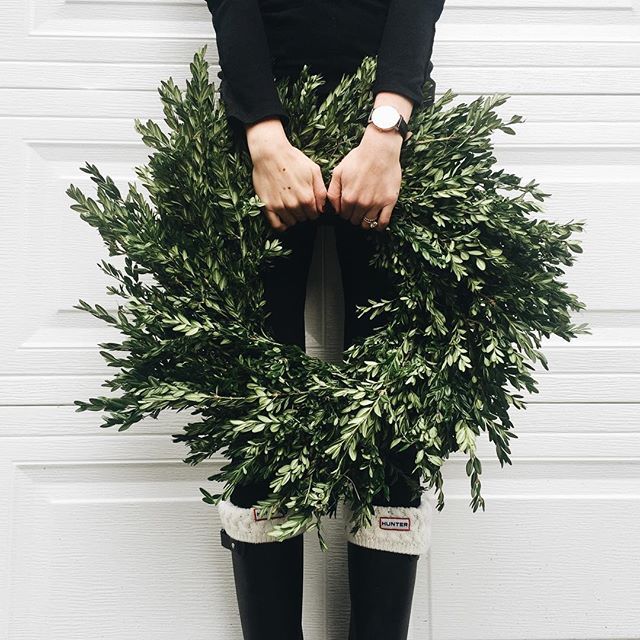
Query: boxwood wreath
[[478, 287]]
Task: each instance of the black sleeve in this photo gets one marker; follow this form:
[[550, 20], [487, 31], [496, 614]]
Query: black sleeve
[[404, 56], [247, 86]]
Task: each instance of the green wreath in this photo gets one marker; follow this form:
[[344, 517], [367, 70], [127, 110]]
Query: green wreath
[[478, 287]]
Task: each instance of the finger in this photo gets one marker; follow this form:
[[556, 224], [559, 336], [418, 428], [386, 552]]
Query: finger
[[347, 205], [385, 217], [371, 214], [359, 212], [319, 189], [286, 216], [274, 220], [293, 208], [309, 207], [334, 192]]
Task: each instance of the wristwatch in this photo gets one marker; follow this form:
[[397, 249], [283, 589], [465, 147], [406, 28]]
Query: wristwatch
[[386, 118]]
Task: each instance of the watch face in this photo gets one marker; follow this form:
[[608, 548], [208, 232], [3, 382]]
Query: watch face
[[385, 117]]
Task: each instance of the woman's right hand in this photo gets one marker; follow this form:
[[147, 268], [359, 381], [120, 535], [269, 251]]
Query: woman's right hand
[[284, 178]]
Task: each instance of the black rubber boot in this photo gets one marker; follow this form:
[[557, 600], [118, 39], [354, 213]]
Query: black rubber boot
[[381, 585], [268, 578]]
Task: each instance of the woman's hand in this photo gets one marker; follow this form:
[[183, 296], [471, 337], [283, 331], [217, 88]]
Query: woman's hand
[[367, 180], [284, 178]]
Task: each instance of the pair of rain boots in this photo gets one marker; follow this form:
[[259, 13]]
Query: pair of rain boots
[[382, 563]]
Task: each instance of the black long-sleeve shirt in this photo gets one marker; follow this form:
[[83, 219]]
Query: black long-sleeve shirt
[[259, 40]]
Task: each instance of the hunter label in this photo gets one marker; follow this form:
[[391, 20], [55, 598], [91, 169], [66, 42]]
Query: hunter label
[[395, 523]]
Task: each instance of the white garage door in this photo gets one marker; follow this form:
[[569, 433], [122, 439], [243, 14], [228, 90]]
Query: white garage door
[[103, 534]]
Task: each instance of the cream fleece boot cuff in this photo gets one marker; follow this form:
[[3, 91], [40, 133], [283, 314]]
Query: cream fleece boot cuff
[[399, 529], [245, 524]]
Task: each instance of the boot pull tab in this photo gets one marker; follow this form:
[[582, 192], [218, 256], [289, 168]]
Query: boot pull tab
[[226, 540]]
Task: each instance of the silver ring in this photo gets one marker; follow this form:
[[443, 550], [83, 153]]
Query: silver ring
[[372, 223]]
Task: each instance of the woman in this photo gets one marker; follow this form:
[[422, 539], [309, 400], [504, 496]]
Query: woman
[[259, 40]]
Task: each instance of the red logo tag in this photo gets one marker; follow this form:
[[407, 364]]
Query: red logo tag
[[257, 519]]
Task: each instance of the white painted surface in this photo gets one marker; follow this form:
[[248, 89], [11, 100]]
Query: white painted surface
[[103, 534]]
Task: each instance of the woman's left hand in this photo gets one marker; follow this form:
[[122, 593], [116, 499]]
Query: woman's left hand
[[366, 182]]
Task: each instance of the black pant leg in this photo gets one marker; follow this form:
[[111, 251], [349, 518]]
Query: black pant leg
[[285, 290], [285, 284], [361, 282]]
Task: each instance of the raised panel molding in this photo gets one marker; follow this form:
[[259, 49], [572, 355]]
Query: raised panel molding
[[110, 543], [111, 18], [90, 528]]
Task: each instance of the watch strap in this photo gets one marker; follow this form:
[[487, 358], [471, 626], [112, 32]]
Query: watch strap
[[401, 126]]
